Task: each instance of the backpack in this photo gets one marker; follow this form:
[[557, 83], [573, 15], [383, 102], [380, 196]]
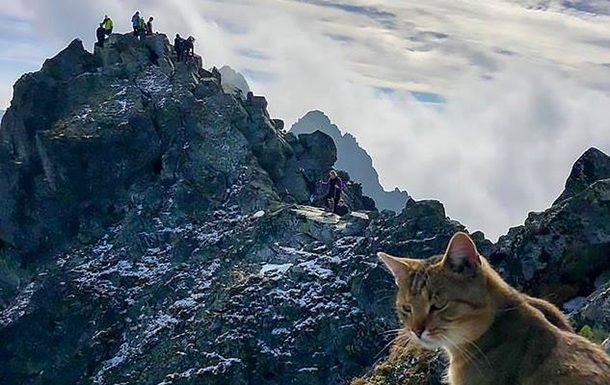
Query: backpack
[[341, 210]]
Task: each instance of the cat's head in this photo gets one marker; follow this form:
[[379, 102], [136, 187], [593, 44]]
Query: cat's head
[[443, 301]]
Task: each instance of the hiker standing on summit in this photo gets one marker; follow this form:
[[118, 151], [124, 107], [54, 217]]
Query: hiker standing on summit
[[107, 24], [149, 26], [178, 43], [100, 34], [335, 187], [188, 48], [135, 23]]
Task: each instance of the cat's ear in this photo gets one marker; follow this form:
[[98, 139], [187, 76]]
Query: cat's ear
[[400, 268], [462, 255]]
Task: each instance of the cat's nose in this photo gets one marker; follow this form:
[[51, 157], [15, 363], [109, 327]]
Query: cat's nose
[[418, 331]]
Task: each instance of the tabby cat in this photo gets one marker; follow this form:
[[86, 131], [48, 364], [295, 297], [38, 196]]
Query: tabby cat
[[493, 334]]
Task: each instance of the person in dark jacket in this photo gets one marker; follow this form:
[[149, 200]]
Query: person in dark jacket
[[335, 187], [188, 48], [149, 26], [178, 43], [135, 23], [100, 33]]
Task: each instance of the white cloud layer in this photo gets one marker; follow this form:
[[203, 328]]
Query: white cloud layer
[[525, 82]]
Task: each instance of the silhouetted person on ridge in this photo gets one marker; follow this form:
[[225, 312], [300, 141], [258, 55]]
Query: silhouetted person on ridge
[[178, 47], [149, 26], [135, 23], [100, 33], [107, 24], [188, 48]]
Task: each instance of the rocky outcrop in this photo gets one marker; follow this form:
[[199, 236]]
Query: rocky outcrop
[[233, 82], [595, 310], [592, 166], [353, 159], [86, 130], [559, 253]]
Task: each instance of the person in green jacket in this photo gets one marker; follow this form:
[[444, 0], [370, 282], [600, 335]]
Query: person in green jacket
[[141, 28], [107, 24]]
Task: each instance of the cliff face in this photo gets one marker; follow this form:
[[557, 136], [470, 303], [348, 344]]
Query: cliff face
[[354, 159], [153, 231]]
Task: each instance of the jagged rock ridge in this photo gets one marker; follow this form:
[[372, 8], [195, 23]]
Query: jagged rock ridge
[[146, 236], [354, 159], [562, 251], [128, 115]]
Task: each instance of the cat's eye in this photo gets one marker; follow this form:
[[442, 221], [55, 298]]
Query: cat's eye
[[406, 309], [438, 306]]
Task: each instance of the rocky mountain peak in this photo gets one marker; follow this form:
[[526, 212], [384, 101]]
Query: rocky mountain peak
[[87, 131], [159, 221], [592, 166], [233, 81]]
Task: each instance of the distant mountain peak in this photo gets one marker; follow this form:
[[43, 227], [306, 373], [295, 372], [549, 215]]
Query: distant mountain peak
[[592, 166], [352, 158]]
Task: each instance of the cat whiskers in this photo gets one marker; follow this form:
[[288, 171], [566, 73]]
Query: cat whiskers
[[478, 352], [481, 353], [384, 298], [398, 340], [467, 355]]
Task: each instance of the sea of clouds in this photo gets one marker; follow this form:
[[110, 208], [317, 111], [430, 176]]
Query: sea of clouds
[[482, 105]]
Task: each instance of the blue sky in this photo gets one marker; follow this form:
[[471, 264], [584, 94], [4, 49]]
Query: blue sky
[[523, 85]]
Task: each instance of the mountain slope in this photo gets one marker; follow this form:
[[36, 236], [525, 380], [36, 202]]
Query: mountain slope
[[145, 238], [354, 159]]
